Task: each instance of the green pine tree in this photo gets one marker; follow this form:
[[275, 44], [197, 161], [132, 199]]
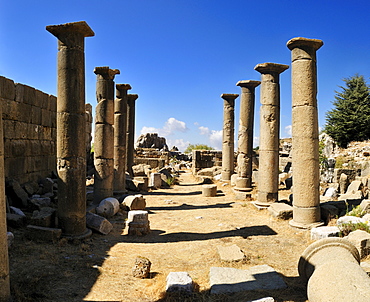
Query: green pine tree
[[350, 119]]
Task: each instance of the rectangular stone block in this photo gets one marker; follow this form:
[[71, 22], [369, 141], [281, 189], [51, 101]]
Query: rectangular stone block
[[43, 233], [9, 129], [324, 232], [52, 103], [7, 88]]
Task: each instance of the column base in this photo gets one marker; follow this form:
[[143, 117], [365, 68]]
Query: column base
[[306, 226], [243, 195], [84, 235]]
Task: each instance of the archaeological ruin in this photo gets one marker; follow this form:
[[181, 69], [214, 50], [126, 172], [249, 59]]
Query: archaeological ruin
[[229, 210]]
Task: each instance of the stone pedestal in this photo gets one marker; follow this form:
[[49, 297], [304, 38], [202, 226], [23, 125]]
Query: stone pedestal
[[130, 150], [120, 132], [104, 133], [347, 280], [137, 223], [268, 173], [71, 125], [228, 136], [4, 260], [209, 190], [305, 133], [245, 135]]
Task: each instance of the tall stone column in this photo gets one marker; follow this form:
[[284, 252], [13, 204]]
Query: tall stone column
[[71, 125], [104, 133], [130, 132], [245, 135], [4, 260], [228, 136], [120, 132], [268, 173], [305, 133]]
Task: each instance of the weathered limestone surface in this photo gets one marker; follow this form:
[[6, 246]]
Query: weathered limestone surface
[[120, 132], [228, 136], [71, 127], [347, 282], [104, 133], [268, 172], [4, 260], [305, 133], [209, 190], [130, 132], [245, 135], [179, 282], [141, 268]]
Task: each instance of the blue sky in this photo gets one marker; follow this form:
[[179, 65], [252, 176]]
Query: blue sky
[[179, 56]]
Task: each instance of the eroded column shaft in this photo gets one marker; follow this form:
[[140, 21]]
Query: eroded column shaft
[[71, 125], [268, 173], [104, 133], [120, 132], [228, 136], [245, 135], [4, 260], [347, 281], [130, 132], [305, 133]]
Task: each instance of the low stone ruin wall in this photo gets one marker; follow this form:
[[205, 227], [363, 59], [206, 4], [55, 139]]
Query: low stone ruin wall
[[205, 159]]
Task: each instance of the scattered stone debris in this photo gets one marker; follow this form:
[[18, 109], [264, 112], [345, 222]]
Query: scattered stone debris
[[135, 202], [141, 268], [179, 282], [108, 207], [230, 253], [98, 223]]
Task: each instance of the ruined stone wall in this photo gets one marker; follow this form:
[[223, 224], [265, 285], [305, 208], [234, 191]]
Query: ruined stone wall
[[205, 159], [29, 117]]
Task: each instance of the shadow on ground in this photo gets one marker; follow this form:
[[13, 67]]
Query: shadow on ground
[[159, 236]]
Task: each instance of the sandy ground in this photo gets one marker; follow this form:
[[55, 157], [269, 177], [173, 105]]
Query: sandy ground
[[186, 229]]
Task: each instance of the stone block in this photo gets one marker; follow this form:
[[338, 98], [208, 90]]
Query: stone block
[[108, 207], [230, 253], [354, 186], [137, 223], [281, 210], [98, 223], [155, 180], [16, 193], [37, 203], [361, 240], [45, 217], [365, 205], [135, 202], [209, 190], [230, 280], [36, 115], [267, 299], [34, 232], [179, 282], [324, 232], [7, 88], [15, 220], [141, 268]]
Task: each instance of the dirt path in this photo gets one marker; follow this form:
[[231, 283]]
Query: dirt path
[[186, 230]]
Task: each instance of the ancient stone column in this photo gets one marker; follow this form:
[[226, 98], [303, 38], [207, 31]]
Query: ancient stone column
[[4, 261], [228, 136], [268, 173], [347, 281], [245, 135], [305, 133], [120, 132], [71, 125], [130, 132], [104, 133]]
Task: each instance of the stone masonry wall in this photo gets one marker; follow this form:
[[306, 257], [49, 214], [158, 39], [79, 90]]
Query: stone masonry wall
[[29, 117]]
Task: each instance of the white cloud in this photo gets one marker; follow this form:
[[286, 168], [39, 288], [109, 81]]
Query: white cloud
[[171, 125], [179, 143], [214, 136], [256, 141], [288, 130], [204, 130]]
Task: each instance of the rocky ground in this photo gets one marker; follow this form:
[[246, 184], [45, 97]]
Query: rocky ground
[[186, 231]]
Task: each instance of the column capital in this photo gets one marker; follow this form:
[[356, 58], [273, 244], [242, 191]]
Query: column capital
[[106, 72], [248, 84], [75, 27], [123, 87], [132, 97], [304, 42], [268, 68], [229, 96]]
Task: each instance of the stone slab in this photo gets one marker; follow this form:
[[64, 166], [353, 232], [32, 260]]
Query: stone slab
[[267, 299], [281, 210], [242, 195], [230, 280], [231, 253], [179, 282], [324, 232]]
